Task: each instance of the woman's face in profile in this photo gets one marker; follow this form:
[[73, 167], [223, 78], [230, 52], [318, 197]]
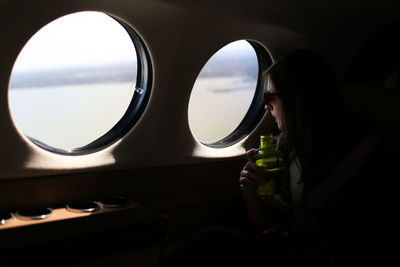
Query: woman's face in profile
[[274, 105]]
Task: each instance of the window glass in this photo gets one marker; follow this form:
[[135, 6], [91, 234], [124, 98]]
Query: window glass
[[223, 92], [74, 80]]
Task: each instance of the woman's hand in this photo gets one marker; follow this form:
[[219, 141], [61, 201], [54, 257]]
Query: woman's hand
[[263, 213], [252, 175]]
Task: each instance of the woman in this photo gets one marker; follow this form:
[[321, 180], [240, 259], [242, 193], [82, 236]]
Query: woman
[[331, 164], [327, 160], [304, 99]]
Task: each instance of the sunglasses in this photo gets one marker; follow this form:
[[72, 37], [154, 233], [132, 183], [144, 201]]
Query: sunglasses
[[269, 97]]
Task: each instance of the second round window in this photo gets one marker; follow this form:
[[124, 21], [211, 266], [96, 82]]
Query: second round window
[[226, 100]]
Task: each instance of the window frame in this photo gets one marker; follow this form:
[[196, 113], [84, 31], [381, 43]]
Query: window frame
[[256, 110], [135, 109]]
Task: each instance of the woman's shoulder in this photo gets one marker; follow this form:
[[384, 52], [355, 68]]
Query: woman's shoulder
[[365, 144], [357, 157]]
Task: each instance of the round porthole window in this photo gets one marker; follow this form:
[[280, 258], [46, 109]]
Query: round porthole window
[[226, 101], [80, 83]]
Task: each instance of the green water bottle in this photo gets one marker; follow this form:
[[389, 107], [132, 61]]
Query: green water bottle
[[270, 158]]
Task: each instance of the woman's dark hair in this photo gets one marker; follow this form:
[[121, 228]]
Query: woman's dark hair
[[311, 104]]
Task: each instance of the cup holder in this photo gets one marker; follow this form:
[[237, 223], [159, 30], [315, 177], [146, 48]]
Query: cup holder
[[115, 202], [34, 213], [5, 217], [83, 206], [38, 213]]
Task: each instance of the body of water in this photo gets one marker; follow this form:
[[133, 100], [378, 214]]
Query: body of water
[[69, 116], [73, 116]]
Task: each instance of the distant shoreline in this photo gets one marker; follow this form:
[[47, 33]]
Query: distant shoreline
[[121, 72]]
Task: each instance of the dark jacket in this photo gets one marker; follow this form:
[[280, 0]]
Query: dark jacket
[[343, 198]]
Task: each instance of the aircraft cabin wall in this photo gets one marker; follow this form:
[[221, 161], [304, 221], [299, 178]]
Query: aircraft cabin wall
[[159, 155]]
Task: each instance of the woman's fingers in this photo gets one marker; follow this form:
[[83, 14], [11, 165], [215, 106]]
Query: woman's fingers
[[250, 154], [252, 174], [251, 166], [245, 180]]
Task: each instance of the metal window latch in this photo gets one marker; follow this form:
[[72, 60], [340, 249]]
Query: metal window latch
[[139, 90]]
